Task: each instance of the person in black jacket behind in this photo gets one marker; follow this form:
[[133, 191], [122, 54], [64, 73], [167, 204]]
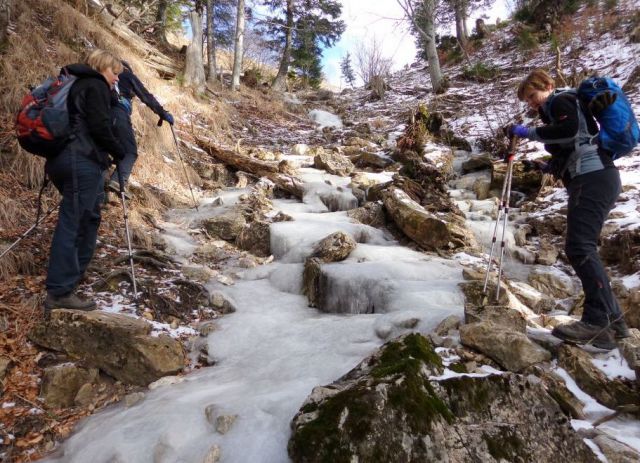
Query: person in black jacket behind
[[593, 185], [77, 172], [128, 87]]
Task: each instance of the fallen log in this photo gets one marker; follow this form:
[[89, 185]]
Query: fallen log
[[433, 232], [277, 172]]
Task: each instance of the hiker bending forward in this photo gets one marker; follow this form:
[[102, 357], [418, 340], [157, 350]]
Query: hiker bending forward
[[77, 172], [128, 87], [593, 185]]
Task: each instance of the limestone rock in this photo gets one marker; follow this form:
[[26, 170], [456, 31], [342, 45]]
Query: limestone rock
[[226, 226], [526, 182], [311, 280], [551, 281], [499, 315], [213, 455], [591, 380], [224, 423], [452, 322], [256, 238], [429, 230], [630, 350], [477, 163], [567, 401], [394, 408], [616, 452], [117, 344], [547, 254], [61, 383], [372, 213], [334, 247], [367, 159], [333, 162], [511, 349]]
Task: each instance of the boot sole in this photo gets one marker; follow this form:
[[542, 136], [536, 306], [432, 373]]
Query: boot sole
[[580, 343]]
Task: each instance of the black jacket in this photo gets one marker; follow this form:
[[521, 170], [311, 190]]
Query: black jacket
[[130, 86], [89, 105], [561, 126]]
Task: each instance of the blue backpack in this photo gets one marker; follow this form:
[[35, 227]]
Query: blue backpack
[[619, 132]]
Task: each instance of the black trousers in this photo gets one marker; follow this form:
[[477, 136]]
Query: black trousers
[[591, 198], [123, 130]]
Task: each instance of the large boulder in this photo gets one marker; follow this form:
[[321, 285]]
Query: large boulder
[[121, 346], [334, 247], [396, 406], [333, 162], [511, 349], [431, 231]]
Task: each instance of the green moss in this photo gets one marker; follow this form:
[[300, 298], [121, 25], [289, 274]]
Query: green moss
[[458, 368], [414, 395], [400, 366], [324, 433], [481, 72], [406, 356]]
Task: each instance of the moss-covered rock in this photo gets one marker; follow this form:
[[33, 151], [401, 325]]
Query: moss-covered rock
[[398, 406]]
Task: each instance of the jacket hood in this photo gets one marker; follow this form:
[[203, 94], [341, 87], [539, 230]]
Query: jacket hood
[[82, 70]]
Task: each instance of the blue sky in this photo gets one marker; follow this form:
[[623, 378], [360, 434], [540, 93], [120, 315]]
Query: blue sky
[[382, 19]]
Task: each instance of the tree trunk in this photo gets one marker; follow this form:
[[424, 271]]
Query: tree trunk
[[211, 44], [279, 83], [429, 34], [194, 68], [461, 27], [161, 20], [238, 49]]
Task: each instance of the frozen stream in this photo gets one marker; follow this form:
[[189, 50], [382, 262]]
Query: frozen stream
[[274, 349]]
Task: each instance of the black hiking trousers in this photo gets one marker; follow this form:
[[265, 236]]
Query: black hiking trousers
[[591, 198]]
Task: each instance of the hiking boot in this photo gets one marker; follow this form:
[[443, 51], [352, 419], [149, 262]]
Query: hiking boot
[[115, 187], [70, 301], [620, 329], [584, 333]]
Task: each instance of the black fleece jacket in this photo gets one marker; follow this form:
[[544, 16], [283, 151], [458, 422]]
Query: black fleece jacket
[[131, 86], [89, 105]]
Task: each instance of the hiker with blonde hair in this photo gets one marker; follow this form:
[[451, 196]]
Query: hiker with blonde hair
[[593, 184], [77, 172]]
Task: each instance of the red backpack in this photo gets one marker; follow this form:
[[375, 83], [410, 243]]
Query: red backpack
[[42, 124]]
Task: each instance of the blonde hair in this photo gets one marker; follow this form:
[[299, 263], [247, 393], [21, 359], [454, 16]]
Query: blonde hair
[[101, 60], [538, 79]]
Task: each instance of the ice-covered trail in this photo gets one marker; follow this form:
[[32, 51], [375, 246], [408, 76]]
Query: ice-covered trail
[[274, 349]]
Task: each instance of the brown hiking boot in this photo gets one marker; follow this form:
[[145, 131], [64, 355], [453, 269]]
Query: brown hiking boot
[[584, 333], [620, 328], [70, 301]]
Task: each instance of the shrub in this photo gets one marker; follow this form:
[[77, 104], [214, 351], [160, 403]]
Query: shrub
[[481, 72], [526, 40]]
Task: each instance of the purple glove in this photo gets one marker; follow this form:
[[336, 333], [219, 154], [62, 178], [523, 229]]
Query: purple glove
[[520, 131]]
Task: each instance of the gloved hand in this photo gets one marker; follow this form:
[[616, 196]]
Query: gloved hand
[[515, 130], [602, 102], [165, 116]]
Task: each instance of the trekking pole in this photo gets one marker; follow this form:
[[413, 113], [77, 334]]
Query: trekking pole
[[183, 166], [502, 205], [28, 232], [504, 224], [126, 227], [38, 219]]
